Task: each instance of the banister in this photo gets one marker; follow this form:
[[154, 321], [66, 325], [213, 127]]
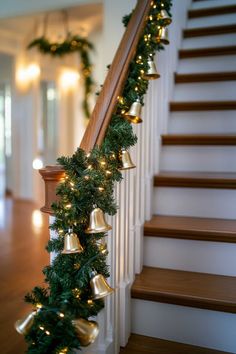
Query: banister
[[107, 98], [116, 77]]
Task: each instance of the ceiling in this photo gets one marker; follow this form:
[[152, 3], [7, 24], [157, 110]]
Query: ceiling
[[82, 20]]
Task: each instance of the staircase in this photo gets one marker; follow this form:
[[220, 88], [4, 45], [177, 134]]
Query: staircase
[[186, 292]]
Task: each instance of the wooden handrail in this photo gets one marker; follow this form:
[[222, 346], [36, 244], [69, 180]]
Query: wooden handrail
[[116, 77], [107, 99]]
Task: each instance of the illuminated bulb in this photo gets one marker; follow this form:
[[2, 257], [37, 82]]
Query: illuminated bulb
[[61, 315], [37, 219], [33, 71], [136, 88], [154, 6], [39, 306], [142, 71], [37, 163], [90, 302], [101, 189], [47, 333], [89, 167], [60, 231], [139, 78], [68, 206], [86, 177], [42, 328], [69, 79], [72, 184], [108, 173], [140, 57], [103, 163]]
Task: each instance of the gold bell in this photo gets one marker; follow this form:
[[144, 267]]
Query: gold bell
[[71, 243], [23, 326], [87, 331], [163, 15], [162, 36], [97, 222], [152, 73], [134, 113], [100, 287], [126, 161]]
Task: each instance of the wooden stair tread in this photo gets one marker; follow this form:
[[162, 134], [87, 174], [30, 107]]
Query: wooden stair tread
[[191, 228], [209, 31], [212, 11], [202, 106], [198, 139], [147, 345], [205, 77], [201, 290], [207, 52], [196, 179]]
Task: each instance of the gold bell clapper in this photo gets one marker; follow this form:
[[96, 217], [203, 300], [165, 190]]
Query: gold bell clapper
[[163, 15], [162, 36], [71, 243], [87, 331], [126, 162], [97, 222], [100, 287], [134, 113], [23, 326], [151, 73]]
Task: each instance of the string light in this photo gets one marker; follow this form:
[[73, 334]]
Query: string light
[[47, 333], [61, 315], [90, 302], [101, 189], [42, 328], [68, 206], [108, 173], [86, 177]]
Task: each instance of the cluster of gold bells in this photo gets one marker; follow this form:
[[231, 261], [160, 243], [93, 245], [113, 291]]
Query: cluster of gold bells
[[87, 331]]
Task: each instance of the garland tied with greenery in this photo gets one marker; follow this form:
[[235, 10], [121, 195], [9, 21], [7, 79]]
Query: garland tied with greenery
[[72, 44], [89, 181]]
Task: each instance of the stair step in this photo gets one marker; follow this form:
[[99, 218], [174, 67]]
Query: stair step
[[206, 291], [207, 52], [191, 228], [202, 106], [205, 77], [196, 180], [147, 345], [209, 31], [212, 11], [195, 139]]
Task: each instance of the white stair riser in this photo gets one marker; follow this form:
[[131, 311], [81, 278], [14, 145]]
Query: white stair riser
[[210, 91], [185, 255], [200, 202], [211, 3], [207, 64], [207, 21], [205, 122], [209, 41], [199, 158], [199, 327]]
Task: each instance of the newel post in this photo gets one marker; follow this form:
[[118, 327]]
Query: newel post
[[51, 175]]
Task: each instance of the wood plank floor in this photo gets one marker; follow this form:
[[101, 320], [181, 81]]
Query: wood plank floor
[[23, 236], [147, 345]]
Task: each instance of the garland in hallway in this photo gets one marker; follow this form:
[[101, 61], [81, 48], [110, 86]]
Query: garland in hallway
[[76, 279]]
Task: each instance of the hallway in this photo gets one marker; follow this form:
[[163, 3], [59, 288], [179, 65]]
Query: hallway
[[23, 235]]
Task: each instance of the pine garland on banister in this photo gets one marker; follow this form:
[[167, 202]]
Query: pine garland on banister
[[72, 44], [59, 322]]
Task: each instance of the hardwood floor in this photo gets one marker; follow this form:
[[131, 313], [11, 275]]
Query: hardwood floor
[[147, 345], [23, 236]]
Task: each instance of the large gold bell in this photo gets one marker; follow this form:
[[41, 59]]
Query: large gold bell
[[163, 15], [134, 113], [23, 326], [162, 36], [87, 331], [126, 161], [152, 73], [100, 287], [97, 222], [71, 243]]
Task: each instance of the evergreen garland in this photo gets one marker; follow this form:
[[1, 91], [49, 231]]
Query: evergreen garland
[[72, 43], [89, 180]]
